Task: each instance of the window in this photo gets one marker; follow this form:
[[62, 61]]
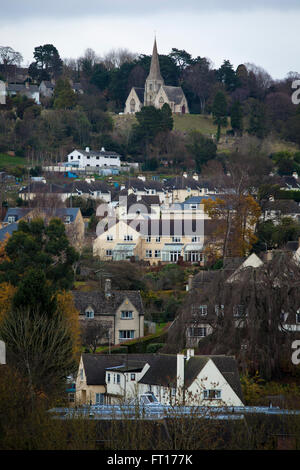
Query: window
[[99, 398], [203, 310], [198, 332], [148, 253], [81, 374], [108, 252], [173, 391], [132, 376], [157, 239], [157, 254], [212, 394], [128, 238], [11, 219], [67, 219], [193, 206], [126, 315], [109, 238], [238, 311], [219, 310], [118, 378], [298, 317], [89, 313], [148, 239], [126, 334], [108, 378], [176, 239], [195, 239]]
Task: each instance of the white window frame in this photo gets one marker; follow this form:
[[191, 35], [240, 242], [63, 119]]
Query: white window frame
[[127, 314]]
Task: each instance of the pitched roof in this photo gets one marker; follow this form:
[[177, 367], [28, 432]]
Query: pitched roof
[[16, 212], [174, 93], [95, 365], [4, 232], [103, 305]]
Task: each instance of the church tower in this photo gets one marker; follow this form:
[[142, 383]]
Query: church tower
[[154, 80]]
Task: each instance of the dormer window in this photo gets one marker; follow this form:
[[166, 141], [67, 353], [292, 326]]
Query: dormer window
[[89, 313], [11, 219], [67, 219]]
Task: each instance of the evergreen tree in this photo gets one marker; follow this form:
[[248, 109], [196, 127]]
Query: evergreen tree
[[236, 117], [64, 96], [219, 112], [167, 119], [257, 120]]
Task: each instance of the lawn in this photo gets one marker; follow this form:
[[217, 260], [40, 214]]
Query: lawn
[[198, 122], [9, 160]]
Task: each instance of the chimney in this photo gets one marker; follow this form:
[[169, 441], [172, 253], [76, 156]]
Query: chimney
[[2, 353], [185, 174], [190, 353], [87, 149], [180, 371], [195, 176], [107, 288], [102, 149]]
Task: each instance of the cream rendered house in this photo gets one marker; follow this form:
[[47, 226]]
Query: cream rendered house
[[155, 240], [192, 380]]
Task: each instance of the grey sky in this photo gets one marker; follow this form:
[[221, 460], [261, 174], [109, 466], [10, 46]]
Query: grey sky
[[263, 32]]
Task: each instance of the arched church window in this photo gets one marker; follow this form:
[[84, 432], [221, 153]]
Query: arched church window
[[132, 105], [161, 100], [150, 86]]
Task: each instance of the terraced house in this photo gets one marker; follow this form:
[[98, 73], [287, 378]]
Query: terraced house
[[154, 240]]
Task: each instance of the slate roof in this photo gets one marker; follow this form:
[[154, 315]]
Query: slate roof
[[17, 212], [174, 93], [136, 183], [61, 212], [291, 182], [95, 365], [96, 153], [7, 231], [164, 371], [106, 306], [163, 368], [44, 188], [87, 188], [285, 206], [17, 87]]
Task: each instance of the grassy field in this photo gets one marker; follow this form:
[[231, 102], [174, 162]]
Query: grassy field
[[197, 122], [8, 160]]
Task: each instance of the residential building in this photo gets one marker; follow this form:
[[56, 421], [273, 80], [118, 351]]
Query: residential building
[[93, 158], [190, 379], [121, 311], [70, 216], [31, 91], [152, 240]]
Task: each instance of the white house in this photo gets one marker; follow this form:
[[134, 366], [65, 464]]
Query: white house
[[88, 157], [190, 379]]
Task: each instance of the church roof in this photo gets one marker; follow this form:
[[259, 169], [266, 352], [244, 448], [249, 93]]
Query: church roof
[[174, 93], [154, 73], [140, 93]]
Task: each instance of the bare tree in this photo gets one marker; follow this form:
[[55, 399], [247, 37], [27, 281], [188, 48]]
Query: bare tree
[[117, 57], [94, 332]]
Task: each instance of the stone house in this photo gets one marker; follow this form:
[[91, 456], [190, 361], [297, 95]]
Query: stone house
[[122, 311]]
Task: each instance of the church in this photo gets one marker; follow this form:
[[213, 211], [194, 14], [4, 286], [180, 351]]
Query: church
[[156, 93]]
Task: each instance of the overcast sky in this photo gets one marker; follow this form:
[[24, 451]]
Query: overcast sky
[[262, 32]]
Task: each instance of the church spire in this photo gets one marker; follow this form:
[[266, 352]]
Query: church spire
[[154, 73]]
